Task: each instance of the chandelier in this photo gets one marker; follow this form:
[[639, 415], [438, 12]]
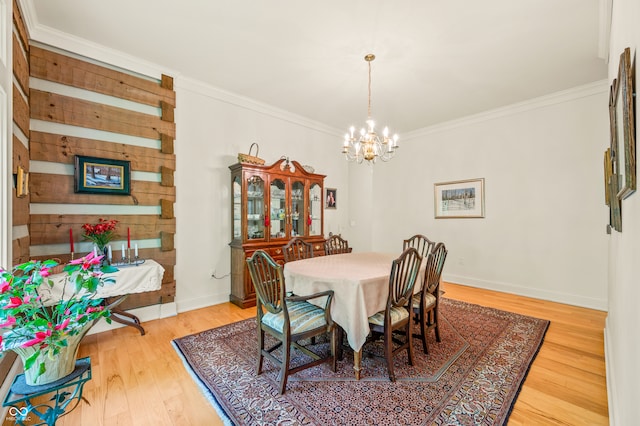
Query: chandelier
[[368, 145]]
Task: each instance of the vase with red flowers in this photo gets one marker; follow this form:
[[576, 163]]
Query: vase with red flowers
[[101, 234]]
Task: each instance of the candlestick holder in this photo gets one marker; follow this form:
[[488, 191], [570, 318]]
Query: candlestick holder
[[128, 260]]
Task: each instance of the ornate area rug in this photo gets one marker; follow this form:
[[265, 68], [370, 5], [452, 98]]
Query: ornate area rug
[[472, 377]]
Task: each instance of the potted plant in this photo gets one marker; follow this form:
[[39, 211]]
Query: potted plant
[[46, 333]]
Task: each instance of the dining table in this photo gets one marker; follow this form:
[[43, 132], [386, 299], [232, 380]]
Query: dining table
[[360, 282]]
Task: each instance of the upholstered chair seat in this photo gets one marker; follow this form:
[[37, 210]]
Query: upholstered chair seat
[[303, 316], [397, 314], [429, 301]]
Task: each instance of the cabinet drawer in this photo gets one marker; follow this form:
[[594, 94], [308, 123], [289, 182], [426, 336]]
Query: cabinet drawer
[[276, 252]]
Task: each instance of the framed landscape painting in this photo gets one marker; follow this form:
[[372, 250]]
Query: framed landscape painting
[[102, 176], [459, 199]]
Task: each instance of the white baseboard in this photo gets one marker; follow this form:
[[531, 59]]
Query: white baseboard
[[552, 296], [202, 302], [608, 362], [149, 313]]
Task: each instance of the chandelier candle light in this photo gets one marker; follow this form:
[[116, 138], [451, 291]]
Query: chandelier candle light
[[368, 145]]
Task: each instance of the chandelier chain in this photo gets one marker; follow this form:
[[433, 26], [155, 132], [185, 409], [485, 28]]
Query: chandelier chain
[[369, 100]]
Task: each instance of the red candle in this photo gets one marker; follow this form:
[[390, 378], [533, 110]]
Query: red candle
[[71, 239], [128, 238]]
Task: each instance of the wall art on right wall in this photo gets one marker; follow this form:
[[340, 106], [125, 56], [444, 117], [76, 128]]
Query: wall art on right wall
[[459, 199]]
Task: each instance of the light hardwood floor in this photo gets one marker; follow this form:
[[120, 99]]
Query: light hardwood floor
[[140, 380]]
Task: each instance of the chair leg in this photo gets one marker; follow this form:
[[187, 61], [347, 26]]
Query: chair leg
[[260, 348], [436, 322], [423, 330], [409, 342], [339, 338], [334, 348], [388, 352], [284, 368]]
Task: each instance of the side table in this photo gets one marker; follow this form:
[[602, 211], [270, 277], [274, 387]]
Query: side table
[[25, 401]]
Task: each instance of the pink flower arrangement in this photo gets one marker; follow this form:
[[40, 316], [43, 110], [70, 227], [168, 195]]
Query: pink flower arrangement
[[28, 321]]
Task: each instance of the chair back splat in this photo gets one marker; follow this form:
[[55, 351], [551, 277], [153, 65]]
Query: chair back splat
[[297, 249], [335, 244], [421, 243]]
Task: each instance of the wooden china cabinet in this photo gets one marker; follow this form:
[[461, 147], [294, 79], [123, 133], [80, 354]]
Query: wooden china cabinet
[[270, 205]]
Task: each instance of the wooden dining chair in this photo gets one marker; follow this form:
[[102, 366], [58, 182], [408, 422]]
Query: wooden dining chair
[[289, 319], [426, 303], [297, 249], [421, 243], [335, 244], [397, 315]]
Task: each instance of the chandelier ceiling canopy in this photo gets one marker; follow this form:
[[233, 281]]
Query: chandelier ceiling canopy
[[368, 145]]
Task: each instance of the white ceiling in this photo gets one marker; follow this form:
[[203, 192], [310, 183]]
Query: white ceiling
[[435, 60]]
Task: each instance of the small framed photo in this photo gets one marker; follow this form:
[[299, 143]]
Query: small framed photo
[[459, 199], [331, 198], [102, 176]]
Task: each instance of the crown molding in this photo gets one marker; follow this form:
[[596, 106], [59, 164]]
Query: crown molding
[[69, 44], [594, 88], [222, 95]]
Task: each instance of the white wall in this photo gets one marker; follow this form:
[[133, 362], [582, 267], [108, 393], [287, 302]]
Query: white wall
[[544, 231], [212, 128], [622, 334], [6, 131]]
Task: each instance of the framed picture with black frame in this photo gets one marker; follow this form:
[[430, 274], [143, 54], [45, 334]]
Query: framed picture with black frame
[[331, 198], [95, 175]]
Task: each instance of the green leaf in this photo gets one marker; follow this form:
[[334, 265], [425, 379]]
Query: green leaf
[[41, 369], [28, 363], [108, 269]]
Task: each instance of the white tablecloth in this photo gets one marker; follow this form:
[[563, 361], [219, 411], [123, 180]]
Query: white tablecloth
[[360, 282], [129, 279]]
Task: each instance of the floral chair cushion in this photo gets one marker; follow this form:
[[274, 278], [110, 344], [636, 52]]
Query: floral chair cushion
[[303, 316]]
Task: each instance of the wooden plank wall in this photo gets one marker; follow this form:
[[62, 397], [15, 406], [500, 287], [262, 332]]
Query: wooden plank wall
[[55, 191], [20, 152]]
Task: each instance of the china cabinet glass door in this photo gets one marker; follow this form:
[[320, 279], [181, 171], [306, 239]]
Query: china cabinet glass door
[[315, 209], [237, 209], [278, 203], [255, 208], [297, 209]]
